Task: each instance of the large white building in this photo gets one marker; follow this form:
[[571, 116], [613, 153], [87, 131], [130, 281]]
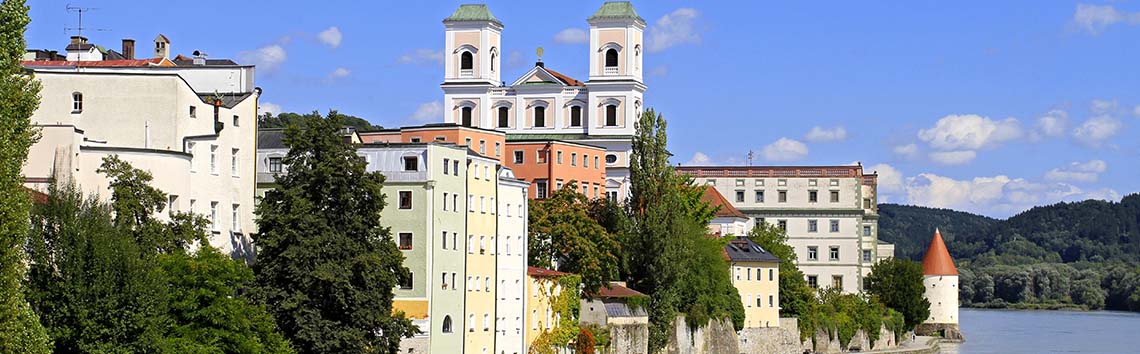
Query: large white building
[[510, 264], [544, 103], [830, 214], [190, 122]]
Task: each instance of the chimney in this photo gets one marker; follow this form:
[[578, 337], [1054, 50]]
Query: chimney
[[540, 64], [199, 58], [129, 48], [78, 40]]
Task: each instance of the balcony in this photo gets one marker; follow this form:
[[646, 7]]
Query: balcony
[[611, 70], [466, 73]]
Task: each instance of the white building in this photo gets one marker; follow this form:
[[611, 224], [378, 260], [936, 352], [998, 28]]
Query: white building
[[940, 280], [510, 263], [190, 122], [829, 213], [545, 103]]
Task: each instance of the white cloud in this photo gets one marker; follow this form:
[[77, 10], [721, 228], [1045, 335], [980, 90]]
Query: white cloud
[[890, 179], [953, 157], [431, 112], [266, 58], [998, 196], [515, 59], [339, 73], [785, 150], [1052, 124], [819, 134], [1096, 18], [422, 56], [908, 151], [660, 70], [969, 132], [673, 29], [330, 37], [1078, 171], [266, 107], [1095, 131], [572, 35], [1136, 111], [699, 159], [1102, 107]]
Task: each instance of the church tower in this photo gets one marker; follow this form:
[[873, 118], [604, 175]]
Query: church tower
[[940, 278], [472, 61]]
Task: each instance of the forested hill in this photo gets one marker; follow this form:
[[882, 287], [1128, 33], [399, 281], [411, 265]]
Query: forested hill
[[269, 120], [1091, 230]]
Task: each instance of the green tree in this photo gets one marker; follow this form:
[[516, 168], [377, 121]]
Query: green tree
[[326, 267], [796, 297], [898, 284], [19, 97], [284, 120], [562, 230]]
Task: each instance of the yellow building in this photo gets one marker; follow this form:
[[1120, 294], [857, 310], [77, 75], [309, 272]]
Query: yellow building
[[756, 276], [479, 322], [542, 284]]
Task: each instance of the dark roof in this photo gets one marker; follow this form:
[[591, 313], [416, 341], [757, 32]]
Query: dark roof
[[111, 54], [741, 249], [716, 200], [100, 63], [623, 310], [79, 46], [543, 272], [182, 60], [616, 10], [229, 100], [271, 139]]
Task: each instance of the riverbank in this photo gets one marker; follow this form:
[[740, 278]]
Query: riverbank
[[920, 345], [1029, 306]]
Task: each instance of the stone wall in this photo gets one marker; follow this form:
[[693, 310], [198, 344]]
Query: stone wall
[[825, 343], [628, 339], [414, 345], [948, 331], [784, 339], [718, 337]]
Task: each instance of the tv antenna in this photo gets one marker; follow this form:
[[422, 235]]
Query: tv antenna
[[750, 156], [79, 29]]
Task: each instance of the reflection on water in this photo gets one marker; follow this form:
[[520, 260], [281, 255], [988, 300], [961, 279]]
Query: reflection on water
[[1034, 332]]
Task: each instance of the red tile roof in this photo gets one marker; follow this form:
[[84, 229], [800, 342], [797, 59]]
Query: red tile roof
[[937, 260], [616, 291], [543, 272], [565, 79], [37, 196], [714, 199], [102, 63]]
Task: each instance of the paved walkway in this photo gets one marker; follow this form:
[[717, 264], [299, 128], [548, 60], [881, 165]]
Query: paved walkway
[[921, 345]]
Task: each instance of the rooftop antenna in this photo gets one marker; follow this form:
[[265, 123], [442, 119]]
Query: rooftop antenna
[[80, 28], [750, 156]]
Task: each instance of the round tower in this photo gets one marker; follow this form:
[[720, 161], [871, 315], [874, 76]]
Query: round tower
[[940, 279]]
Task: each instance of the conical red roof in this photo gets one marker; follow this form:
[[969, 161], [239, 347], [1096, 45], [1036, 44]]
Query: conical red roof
[[937, 260]]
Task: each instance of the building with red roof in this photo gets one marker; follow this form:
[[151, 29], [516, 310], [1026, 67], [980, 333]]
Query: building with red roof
[[940, 280]]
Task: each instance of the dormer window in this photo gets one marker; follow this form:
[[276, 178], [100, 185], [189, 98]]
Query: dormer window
[[465, 112], [539, 117], [611, 115], [76, 102], [466, 64], [575, 116]]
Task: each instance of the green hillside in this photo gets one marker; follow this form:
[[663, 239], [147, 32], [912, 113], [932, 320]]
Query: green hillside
[[910, 229]]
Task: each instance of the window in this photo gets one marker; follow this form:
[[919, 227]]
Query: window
[[447, 324], [539, 117], [833, 255], [611, 58], [835, 196], [748, 274], [771, 301], [236, 120], [540, 190], [235, 219], [483, 204], [471, 323], [739, 196], [190, 150], [482, 244], [504, 117], [443, 242], [783, 196], [837, 282], [866, 203], [486, 324], [214, 159], [470, 247], [467, 142], [611, 159], [813, 253], [498, 146], [812, 183], [834, 225], [866, 230], [411, 163], [405, 200], [486, 172], [446, 164], [405, 240], [573, 159], [275, 164], [172, 204], [771, 274], [455, 167], [758, 301], [866, 255], [518, 156], [560, 157], [415, 140], [834, 183], [466, 61], [575, 116], [192, 202], [759, 221], [595, 162], [813, 281], [759, 196], [453, 283], [782, 224], [76, 102], [193, 112], [471, 202], [234, 162], [507, 244], [611, 116], [813, 196], [813, 225], [782, 183], [455, 202], [465, 115], [214, 216], [487, 284]]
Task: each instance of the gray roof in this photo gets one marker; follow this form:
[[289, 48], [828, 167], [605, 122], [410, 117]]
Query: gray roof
[[617, 309], [741, 249], [271, 139], [229, 100], [209, 62], [473, 12], [616, 10]]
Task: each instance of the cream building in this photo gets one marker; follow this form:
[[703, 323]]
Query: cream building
[[482, 191], [191, 123], [829, 213], [510, 264], [544, 103], [756, 276], [542, 285]]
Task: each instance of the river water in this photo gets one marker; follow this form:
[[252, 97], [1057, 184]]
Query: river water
[[1034, 332]]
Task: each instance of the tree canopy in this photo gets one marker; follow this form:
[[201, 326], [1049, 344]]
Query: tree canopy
[[284, 120], [563, 231], [898, 284], [326, 267]]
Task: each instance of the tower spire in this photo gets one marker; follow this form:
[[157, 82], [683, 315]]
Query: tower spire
[[937, 260]]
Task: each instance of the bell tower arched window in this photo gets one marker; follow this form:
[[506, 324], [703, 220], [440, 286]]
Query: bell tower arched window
[[466, 61], [465, 114], [539, 116], [611, 58], [504, 117], [575, 116], [611, 116]]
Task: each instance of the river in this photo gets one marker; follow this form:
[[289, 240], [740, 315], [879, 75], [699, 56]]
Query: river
[[1034, 332]]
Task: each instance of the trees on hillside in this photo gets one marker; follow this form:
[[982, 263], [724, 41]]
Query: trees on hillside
[[898, 284], [326, 267], [284, 120], [563, 231], [19, 97]]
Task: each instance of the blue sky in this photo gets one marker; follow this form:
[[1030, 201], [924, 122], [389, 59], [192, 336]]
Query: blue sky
[[978, 106]]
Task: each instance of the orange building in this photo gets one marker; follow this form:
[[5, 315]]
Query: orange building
[[486, 142], [551, 164]]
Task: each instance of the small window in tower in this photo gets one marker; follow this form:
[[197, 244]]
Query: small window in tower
[[465, 114], [466, 61], [575, 116], [611, 116], [539, 117], [76, 102], [504, 117], [611, 58]]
